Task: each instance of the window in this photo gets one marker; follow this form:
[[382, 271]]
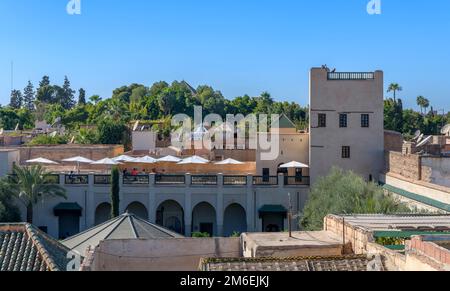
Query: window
[[346, 152], [342, 120], [322, 120], [365, 120]]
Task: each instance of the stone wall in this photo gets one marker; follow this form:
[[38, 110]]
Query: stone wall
[[161, 254], [60, 152], [393, 141], [408, 166], [356, 238], [428, 254]]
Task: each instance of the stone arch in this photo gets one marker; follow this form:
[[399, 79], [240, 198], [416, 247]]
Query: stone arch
[[235, 220], [204, 219], [170, 214], [102, 213], [138, 209]]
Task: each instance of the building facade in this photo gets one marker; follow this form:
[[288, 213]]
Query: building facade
[[346, 122], [215, 204]]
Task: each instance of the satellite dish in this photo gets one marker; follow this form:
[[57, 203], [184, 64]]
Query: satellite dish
[[420, 138], [446, 130], [136, 126], [417, 135], [72, 140], [425, 141], [53, 134]]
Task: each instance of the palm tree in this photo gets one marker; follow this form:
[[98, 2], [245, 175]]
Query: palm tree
[[423, 103], [31, 185], [394, 87]]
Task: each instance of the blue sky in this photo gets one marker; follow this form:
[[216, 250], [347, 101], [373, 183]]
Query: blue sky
[[237, 46]]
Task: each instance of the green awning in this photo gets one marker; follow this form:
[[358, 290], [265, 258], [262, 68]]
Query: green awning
[[273, 209], [416, 197], [68, 208]]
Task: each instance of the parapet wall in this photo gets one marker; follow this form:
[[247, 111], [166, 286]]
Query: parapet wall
[[408, 166], [356, 238]]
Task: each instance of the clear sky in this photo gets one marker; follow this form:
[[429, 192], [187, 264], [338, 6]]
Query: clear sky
[[237, 46]]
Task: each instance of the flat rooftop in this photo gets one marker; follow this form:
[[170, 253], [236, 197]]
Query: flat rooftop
[[397, 222], [299, 239]]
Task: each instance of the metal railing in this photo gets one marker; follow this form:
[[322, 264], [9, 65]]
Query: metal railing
[[203, 180], [102, 180], [235, 180], [265, 180], [76, 179], [350, 76], [136, 180], [170, 179], [296, 181], [52, 180]]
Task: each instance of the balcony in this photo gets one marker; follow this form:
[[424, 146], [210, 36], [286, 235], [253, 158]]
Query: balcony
[[203, 180], [235, 180], [102, 180], [265, 180], [350, 76], [136, 180], [76, 179], [170, 180], [296, 181]]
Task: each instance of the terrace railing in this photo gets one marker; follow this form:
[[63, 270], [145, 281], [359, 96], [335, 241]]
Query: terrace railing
[[203, 180], [136, 180], [350, 76], [102, 180], [296, 181], [265, 180], [76, 179], [52, 180], [235, 180], [170, 179]]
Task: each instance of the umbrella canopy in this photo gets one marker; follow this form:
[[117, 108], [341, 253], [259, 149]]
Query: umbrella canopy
[[170, 159], [124, 158], [106, 162], [193, 160], [294, 165], [79, 160], [145, 160], [41, 161], [229, 162]]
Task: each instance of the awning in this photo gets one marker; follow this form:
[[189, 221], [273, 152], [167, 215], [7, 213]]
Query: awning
[[68, 208], [273, 209]]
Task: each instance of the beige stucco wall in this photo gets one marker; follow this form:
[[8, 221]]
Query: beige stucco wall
[[144, 140], [432, 191], [354, 98], [7, 159], [293, 146], [161, 255], [436, 170]]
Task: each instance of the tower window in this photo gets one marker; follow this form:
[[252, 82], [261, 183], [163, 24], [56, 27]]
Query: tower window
[[346, 152], [365, 120], [342, 120], [322, 120]]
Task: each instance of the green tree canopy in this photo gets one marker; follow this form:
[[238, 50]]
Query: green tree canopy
[[344, 192]]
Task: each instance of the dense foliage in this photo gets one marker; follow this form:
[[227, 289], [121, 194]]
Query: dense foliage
[[104, 121], [8, 210], [344, 192]]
